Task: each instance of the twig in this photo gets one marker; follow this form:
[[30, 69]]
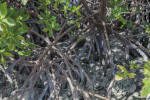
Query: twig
[[6, 73], [43, 92], [67, 77]]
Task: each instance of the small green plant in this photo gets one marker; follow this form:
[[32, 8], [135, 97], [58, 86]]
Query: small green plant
[[134, 66], [12, 27], [123, 74], [146, 88], [50, 21], [118, 10]]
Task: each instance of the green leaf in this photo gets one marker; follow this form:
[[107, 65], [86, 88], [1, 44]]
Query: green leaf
[[125, 72], [71, 21], [120, 1], [41, 1], [62, 1], [132, 65], [131, 75], [118, 78], [3, 10], [25, 52], [57, 28], [111, 16], [78, 24], [25, 27], [111, 2], [2, 50], [22, 53], [9, 21], [122, 19], [4, 42], [78, 7], [50, 33], [146, 72], [46, 29], [41, 7], [20, 37], [17, 42], [8, 54], [21, 29], [28, 51], [71, 32], [148, 32], [119, 73], [73, 9], [25, 17], [147, 66], [11, 45], [40, 21], [78, 13], [55, 5], [122, 68], [137, 67], [65, 13], [10, 11], [53, 24], [81, 38], [3, 61], [43, 15], [146, 88], [24, 2], [32, 45], [21, 11], [45, 2]]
